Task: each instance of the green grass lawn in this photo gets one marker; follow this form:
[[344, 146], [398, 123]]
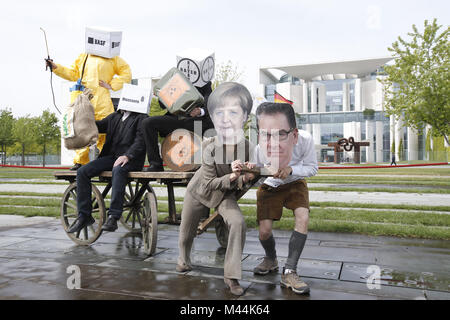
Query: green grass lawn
[[419, 171], [392, 220], [393, 180], [24, 173]]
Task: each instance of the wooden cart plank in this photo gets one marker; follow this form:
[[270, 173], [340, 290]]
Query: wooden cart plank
[[133, 174]]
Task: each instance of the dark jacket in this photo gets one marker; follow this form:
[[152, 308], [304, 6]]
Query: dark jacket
[[129, 139], [205, 91]]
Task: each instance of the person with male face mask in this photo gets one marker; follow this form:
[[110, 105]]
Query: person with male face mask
[[290, 154], [100, 69]]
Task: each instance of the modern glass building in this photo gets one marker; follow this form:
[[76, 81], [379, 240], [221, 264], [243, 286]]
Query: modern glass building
[[340, 100]]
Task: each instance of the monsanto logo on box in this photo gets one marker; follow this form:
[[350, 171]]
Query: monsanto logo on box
[[135, 98]]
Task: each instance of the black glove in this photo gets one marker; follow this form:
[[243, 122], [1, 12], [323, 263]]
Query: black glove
[[48, 63]]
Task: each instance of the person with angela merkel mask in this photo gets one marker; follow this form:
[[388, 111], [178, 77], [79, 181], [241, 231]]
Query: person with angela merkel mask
[[100, 69], [219, 182]]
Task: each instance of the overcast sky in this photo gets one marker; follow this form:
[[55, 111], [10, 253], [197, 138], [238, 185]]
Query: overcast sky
[[251, 34]]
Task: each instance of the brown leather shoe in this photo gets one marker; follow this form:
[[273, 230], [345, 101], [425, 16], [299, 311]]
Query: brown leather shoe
[[183, 268], [266, 266], [234, 286]]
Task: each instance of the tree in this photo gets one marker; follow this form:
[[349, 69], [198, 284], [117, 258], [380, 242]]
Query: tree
[[418, 83], [6, 135], [47, 131], [24, 133], [226, 72]]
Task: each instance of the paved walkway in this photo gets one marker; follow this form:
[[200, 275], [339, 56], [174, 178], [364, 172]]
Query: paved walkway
[[35, 255], [425, 199]]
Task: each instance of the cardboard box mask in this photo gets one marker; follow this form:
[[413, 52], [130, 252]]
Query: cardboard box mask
[[197, 65], [135, 98], [177, 93], [103, 42]]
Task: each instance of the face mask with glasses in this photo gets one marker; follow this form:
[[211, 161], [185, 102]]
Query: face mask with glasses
[[279, 135]]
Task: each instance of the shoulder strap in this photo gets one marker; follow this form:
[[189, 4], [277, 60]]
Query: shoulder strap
[[84, 65]]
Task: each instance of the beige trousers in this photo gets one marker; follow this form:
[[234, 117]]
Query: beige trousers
[[232, 215]]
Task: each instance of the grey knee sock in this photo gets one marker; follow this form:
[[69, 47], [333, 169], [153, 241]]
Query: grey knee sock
[[296, 244], [269, 247]]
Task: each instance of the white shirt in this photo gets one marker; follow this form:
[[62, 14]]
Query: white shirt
[[125, 115], [303, 162]]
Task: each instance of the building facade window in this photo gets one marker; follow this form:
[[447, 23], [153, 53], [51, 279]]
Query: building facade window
[[309, 97], [289, 78], [334, 94], [421, 143], [331, 132], [352, 95], [270, 92]]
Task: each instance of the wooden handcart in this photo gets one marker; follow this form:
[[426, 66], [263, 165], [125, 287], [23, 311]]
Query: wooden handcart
[[140, 209]]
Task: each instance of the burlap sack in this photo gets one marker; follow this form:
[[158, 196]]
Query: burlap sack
[[81, 117]]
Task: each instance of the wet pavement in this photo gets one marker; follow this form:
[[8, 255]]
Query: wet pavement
[[35, 257]]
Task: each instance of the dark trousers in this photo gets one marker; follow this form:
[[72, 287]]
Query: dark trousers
[[165, 125], [119, 182]]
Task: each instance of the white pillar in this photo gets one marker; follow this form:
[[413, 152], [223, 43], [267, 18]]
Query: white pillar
[[379, 128], [358, 95], [357, 131], [427, 129], [314, 98], [296, 97], [369, 137], [305, 98], [322, 99], [316, 133], [391, 134], [413, 144], [309, 128], [398, 137], [352, 128], [345, 97]]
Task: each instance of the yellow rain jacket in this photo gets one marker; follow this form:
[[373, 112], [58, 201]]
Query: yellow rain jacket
[[97, 68]]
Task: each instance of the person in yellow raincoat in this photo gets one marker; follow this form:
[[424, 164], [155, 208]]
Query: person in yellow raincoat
[[100, 75]]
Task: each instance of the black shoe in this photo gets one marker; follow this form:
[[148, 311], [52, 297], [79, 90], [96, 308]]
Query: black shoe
[[110, 225], [154, 168], [81, 224], [76, 166]]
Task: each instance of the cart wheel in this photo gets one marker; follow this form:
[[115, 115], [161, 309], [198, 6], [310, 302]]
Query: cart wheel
[[150, 223], [132, 214], [221, 231], [69, 215]]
